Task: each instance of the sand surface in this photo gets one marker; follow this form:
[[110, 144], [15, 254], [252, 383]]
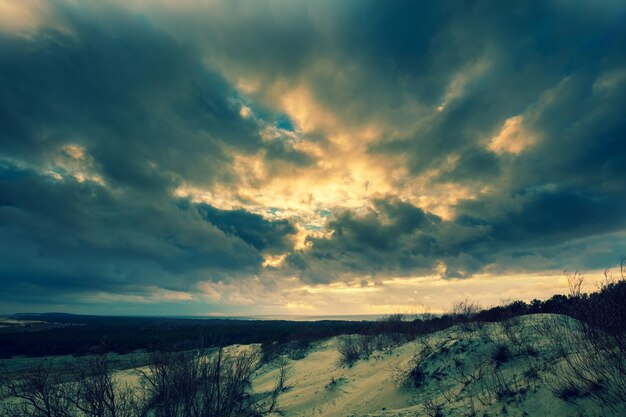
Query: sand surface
[[459, 376]]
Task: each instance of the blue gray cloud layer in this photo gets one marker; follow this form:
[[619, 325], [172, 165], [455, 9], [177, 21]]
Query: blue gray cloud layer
[[146, 94]]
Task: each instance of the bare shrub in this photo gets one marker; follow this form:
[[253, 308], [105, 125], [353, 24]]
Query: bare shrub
[[348, 349], [94, 392], [271, 351], [412, 373], [270, 405], [575, 283], [433, 408], [500, 354], [183, 384], [394, 318], [295, 350], [465, 312], [386, 342], [298, 349], [175, 384], [589, 362], [335, 383], [569, 393], [36, 393], [351, 348], [589, 355], [415, 373], [512, 331]]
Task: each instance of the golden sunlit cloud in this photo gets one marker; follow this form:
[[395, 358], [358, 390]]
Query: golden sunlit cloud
[[212, 156], [433, 293], [22, 15], [513, 137], [72, 160]]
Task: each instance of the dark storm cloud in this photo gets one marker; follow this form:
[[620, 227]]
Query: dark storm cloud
[[113, 93], [63, 236], [380, 57], [561, 66], [483, 61], [261, 234], [583, 133], [474, 164], [139, 101], [145, 114], [529, 50], [394, 238], [146, 99], [391, 53], [545, 217], [391, 237]]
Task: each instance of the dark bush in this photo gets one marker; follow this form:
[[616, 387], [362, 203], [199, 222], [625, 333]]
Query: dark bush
[[349, 348], [501, 354], [570, 393], [417, 376]]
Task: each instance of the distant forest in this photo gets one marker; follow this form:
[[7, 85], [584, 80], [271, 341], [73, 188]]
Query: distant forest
[[82, 334]]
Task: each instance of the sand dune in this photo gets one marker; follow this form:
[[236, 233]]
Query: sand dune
[[461, 377], [512, 368]]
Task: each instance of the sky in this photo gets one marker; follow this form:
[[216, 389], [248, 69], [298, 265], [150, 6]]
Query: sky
[[307, 157]]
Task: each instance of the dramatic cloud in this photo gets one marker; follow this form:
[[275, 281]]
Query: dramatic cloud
[[260, 156], [62, 235]]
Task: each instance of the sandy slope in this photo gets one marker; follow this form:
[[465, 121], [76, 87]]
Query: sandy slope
[[460, 376]]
